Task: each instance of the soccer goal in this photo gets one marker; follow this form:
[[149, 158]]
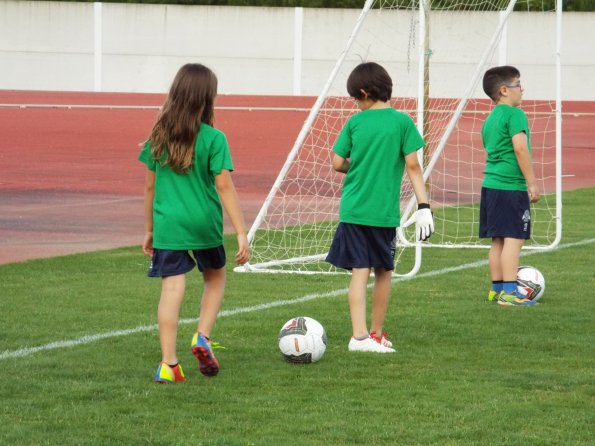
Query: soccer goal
[[436, 51]]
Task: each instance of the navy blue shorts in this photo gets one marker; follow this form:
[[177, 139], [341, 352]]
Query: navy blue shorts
[[167, 262], [359, 246], [504, 213]]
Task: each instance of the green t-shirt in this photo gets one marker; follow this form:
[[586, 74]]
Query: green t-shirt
[[502, 168], [376, 141], [187, 212]]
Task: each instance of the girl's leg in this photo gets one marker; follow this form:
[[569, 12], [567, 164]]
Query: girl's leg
[[495, 258], [381, 297], [358, 290], [212, 298], [509, 258], [168, 312]]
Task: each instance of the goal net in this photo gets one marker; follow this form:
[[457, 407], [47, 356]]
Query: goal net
[[436, 52]]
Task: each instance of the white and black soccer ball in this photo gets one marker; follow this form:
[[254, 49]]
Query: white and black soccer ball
[[302, 340], [530, 282]]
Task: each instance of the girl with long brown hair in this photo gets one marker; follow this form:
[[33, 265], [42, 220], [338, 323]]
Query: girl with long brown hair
[[187, 182]]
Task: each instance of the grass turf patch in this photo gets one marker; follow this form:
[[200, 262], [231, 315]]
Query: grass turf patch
[[466, 371]]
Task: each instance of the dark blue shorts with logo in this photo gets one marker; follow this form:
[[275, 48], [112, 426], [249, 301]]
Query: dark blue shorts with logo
[[504, 213]]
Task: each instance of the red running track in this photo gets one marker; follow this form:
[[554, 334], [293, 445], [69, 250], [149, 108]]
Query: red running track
[[70, 181]]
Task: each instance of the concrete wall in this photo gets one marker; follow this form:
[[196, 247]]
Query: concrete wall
[[274, 51]]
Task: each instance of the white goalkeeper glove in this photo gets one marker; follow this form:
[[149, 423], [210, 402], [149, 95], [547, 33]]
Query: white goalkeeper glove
[[424, 222]]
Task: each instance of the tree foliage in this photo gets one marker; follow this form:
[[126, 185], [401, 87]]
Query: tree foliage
[[522, 5]]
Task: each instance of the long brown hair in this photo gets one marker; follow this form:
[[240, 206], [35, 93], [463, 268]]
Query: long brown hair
[[189, 103]]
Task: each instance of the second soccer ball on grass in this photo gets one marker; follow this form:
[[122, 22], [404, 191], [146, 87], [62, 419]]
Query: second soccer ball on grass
[[530, 282]]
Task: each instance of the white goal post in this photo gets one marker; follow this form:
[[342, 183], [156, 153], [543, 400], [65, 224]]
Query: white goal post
[[436, 51]]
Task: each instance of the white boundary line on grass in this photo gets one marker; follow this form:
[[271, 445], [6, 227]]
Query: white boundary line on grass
[[22, 352]]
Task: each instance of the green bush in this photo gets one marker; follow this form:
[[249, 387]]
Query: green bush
[[522, 5]]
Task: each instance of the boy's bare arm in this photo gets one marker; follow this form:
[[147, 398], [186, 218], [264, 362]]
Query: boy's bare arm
[[424, 221], [415, 174], [231, 203], [340, 164], [521, 151]]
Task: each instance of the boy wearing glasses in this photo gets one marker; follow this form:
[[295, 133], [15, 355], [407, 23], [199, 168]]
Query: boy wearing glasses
[[509, 183]]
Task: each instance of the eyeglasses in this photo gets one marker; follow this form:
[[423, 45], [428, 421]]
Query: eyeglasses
[[514, 86]]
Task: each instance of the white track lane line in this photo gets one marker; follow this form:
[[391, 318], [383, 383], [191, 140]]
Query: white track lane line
[[27, 351]]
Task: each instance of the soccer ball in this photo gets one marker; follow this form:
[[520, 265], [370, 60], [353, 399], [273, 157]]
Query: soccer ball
[[302, 340], [530, 282]]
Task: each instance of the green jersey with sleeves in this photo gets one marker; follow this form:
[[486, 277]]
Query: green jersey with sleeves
[[502, 168], [187, 212], [376, 141]]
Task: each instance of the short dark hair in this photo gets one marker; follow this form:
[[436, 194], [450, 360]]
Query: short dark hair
[[495, 77], [373, 79]]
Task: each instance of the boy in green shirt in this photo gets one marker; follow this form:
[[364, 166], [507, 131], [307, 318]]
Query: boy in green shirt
[[509, 183], [373, 149]]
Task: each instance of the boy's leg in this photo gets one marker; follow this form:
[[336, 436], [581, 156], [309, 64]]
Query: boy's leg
[[495, 263], [510, 265], [495, 258], [212, 298], [380, 298], [358, 290], [361, 340], [509, 258], [168, 312]]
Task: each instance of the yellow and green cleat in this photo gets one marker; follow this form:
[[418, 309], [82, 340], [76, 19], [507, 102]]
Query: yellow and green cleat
[[513, 300], [493, 295]]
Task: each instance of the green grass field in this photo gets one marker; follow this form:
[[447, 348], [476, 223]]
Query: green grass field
[[79, 347]]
